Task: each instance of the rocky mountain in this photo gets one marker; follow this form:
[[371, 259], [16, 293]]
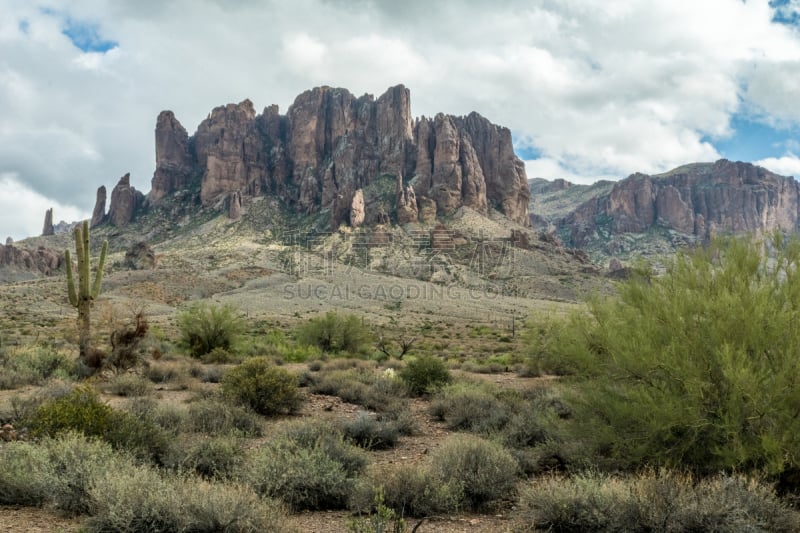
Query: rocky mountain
[[326, 148], [691, 203]]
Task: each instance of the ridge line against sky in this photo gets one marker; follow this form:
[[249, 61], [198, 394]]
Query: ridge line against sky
[[590, 89]]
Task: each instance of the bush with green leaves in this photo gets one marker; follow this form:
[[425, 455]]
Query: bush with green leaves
[[214, 457], [484, 470], [359, 385], [368, 432], [652, 502], [695, 368], [216, 417], [82, 411], [26, 474], [206, 327], [409, 489], [33, 365], [137, 498], [262, 386], [335, 333], [424, 373], [308, 466]]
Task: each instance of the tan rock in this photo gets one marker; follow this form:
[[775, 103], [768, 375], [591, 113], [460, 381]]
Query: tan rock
[[357, 212]]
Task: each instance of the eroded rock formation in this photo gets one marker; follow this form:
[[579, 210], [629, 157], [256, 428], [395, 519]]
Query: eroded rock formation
[[99, 212], [48, 223], [331, 144], [698, 200], [125, 201]]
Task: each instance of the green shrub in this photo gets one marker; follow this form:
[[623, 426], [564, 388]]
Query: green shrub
[[205, 327], [140, 499], [82, 411], [484, 470], [215, 457], [409, 489], [424, 373], [26, 474], [309, 466], [370, 433], [261, 386], [77, 461], [333, 333], [695, 368], [475, 407], [220, 418], [33, 365], [129, 385], [359, 385], [663, 502]]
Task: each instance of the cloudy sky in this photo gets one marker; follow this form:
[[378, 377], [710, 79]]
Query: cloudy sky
[[589, 88]]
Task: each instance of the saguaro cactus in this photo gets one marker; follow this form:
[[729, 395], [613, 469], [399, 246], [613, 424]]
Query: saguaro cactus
[[83, 297]]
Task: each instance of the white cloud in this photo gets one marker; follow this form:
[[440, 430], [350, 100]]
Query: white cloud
[[22, 209], [787, 165], [602, 88]]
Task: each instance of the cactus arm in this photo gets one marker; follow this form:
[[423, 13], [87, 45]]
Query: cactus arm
[[73, 296], [86, 279], [98, 277], [83, 267]]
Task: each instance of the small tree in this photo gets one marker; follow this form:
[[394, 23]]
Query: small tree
[[332, 332], [205, 327], [697, 368], [83, 296]]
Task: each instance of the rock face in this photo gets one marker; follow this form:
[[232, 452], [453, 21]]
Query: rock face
[[99, 212], [125, 201], [235, 206], [697, 200], [48, 223], [39, 261], [330, 144], [174, 162]]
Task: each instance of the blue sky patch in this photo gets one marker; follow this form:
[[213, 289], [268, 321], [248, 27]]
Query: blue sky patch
[[753, 140], [526, 153], [24, 26], [786, 12], [86, 36]]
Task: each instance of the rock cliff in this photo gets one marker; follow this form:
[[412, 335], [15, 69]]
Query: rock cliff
[[331, 144], [697, 200]]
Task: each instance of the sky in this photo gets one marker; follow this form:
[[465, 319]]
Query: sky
[[590, 89]]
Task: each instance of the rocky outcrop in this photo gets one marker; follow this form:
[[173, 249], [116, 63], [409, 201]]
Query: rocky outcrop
[[39, 261], [140, 257], [174, 161], [230, 152], [99, 212], [697, 200], [330, 144], [235, 206], [125, 201], [48, 223], [357, 212]]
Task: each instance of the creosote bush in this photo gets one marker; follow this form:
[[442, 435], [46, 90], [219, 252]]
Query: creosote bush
[[424, 373], [652, 502], [484, 471], [695, 368], [205, 327], [262, 386], [308, 466]]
